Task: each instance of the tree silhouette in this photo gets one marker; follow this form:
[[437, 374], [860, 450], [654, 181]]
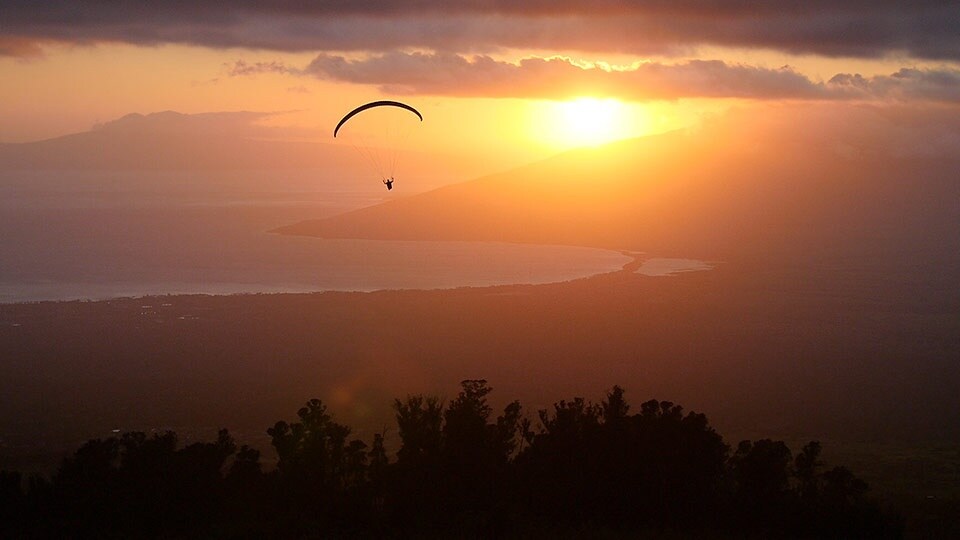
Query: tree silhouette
[[246, 468], [615, 407], [451, 468], [322, 477], [13, 503], [135, 485], [761, 472], [597, 464], [419, 419], [806, 468], [412, 491], [459, 472], [475, 455]]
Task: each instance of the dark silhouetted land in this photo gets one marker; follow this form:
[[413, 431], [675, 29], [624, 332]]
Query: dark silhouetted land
[[461, 470]]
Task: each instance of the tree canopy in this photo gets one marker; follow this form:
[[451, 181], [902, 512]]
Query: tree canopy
[[460, 470]]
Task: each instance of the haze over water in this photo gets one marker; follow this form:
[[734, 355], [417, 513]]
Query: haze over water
[[85, 247]]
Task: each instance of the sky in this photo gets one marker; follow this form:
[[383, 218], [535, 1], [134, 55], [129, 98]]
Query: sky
[[518, 80]]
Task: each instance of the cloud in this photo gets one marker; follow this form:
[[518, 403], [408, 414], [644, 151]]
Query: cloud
[[907, 84], [863, 28], [559, 78], [19, 47], [241, 68]]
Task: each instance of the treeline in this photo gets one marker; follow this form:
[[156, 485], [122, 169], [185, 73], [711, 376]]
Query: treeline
[[461, 471]]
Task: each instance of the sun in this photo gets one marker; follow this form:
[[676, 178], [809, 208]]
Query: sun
[[589, 121]]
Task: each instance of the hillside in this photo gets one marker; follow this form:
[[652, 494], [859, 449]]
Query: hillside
[[170, 141], [229, 152], [722, 191]]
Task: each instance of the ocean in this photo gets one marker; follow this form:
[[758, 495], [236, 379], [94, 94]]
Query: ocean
[[101, 245]]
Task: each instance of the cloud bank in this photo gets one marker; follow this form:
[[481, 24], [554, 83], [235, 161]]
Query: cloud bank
[[920, 29], [442, 74], [558, 78]]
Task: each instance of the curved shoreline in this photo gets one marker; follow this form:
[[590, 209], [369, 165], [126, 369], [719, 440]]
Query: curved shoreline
[[343, 266], [634, 265]]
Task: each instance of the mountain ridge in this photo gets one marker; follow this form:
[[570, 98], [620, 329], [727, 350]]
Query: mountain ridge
[[707, 193], [170, 140]]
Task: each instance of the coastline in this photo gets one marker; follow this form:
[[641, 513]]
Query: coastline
[[340, 265]]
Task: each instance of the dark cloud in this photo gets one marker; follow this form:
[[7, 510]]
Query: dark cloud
[[558, 78], [863, 28]]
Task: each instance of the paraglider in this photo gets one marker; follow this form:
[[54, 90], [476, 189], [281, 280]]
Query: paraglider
[[371, 105], [376, 155]]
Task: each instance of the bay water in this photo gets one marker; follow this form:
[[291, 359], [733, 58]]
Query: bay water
[[98, 245]]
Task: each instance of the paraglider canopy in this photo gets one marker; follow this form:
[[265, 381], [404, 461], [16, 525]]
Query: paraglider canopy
[[381, 146], [371, 105]]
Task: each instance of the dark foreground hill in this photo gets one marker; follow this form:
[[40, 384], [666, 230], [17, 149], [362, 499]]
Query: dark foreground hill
[[769, 351]]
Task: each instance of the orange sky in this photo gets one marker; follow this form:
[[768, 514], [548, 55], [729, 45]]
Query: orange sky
[[491, 83]]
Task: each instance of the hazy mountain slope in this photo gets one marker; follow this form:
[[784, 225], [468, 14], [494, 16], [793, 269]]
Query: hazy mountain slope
[[722, 191], [223, 151], [170, 141]]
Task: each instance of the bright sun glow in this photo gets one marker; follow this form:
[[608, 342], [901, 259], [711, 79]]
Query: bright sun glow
[[591, 121]]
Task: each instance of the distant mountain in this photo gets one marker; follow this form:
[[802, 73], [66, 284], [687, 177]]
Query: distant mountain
[[172, 141], [803, 183], [203, 151]]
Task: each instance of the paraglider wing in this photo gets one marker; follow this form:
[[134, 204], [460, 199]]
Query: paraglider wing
[[371, 105]]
